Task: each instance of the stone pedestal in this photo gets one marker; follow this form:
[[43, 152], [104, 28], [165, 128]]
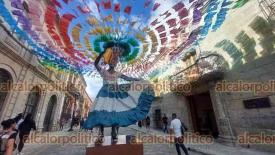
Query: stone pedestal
[[124, 146]]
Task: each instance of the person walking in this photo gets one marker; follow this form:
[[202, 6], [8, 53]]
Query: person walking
[[24, 131], [177, 128], [140, 123], [61, 124], [165, 123], [18, 120], [81, 124], [8, 137], [148, 121]]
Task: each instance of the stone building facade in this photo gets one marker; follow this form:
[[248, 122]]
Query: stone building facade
[[88, 103], [35, 89], [246, 50]]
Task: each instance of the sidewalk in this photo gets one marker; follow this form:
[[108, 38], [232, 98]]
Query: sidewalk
[[210, 149]]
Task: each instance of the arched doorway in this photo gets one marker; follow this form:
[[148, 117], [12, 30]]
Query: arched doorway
[[49, 116], [32, 102], [5, 82], [203, 115], [157, 119]]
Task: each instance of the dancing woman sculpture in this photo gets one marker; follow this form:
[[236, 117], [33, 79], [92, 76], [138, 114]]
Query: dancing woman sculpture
[[118, 105]]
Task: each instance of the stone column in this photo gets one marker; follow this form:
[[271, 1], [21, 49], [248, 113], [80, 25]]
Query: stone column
[[40, 109], [59, 106], [57, 111], [222, 118]]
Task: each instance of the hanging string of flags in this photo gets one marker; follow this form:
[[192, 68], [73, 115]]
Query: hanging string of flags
[[68, 35]]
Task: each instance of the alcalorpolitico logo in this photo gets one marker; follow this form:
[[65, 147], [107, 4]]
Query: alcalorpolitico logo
[[261, 138]]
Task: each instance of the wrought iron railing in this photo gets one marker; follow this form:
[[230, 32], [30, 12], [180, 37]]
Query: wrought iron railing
[[268, 8], [202, 66]]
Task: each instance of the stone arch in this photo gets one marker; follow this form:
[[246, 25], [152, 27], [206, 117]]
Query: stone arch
[[6, 80], [10, 70]]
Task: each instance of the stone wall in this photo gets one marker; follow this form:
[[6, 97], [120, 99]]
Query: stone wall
[[258, 120], [24, 68], [246, 40], [233, 119], [172, 103]]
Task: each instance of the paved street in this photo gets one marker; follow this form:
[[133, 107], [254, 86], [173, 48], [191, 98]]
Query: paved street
[[54, 149]]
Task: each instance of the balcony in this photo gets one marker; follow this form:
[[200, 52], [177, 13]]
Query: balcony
[[206, 68]]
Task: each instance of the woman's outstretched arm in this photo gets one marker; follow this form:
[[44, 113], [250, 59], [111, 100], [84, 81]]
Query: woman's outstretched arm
[[127, 78], [97, 61]]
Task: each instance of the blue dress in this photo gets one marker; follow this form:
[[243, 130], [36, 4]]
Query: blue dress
[[120, 105]]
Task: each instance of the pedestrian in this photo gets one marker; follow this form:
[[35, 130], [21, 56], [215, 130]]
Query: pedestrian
[[61, 124], [73, 123], [148, 121], [140, 124], [81, 123], [165, 123], [8, 137], [18, 120], [24, 131], [177, 128]]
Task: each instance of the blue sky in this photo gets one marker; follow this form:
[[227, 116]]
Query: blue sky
[[93, 86]]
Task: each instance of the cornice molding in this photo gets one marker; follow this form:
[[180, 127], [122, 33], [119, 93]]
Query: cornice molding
[[18, 59]]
